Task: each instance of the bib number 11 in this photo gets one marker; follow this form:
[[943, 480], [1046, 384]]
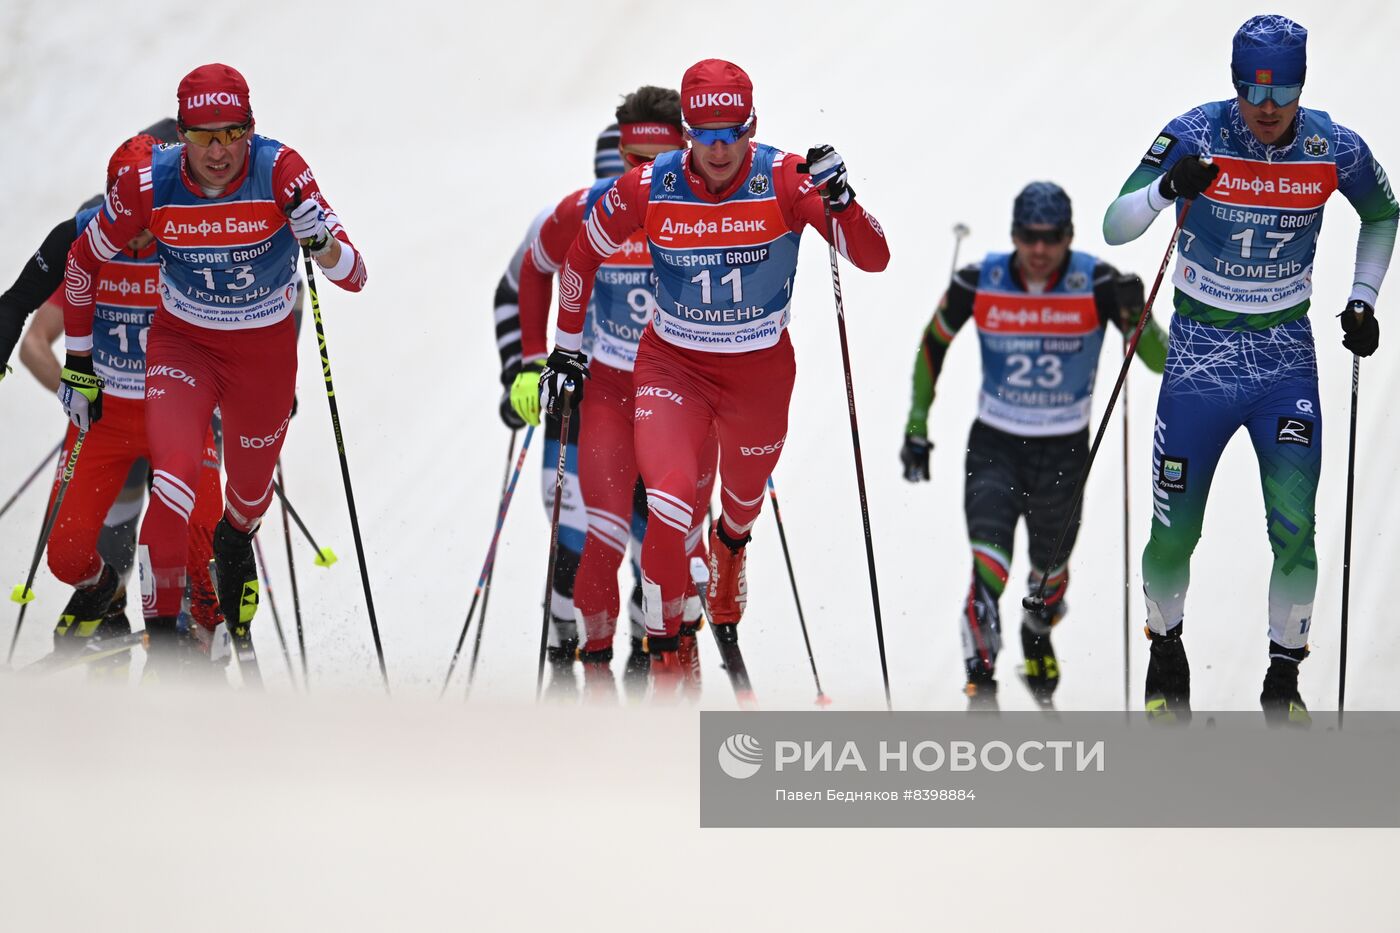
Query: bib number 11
[[733, 279]]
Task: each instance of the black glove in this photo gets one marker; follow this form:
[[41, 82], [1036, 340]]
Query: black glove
[[1187, 178], [1362, 332], [1131, 297], [914, 456], [564, 367], [508, 414], [829, 176]]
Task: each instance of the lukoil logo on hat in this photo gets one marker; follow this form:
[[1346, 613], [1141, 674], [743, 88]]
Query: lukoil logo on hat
[[715, 91], [741, 756]]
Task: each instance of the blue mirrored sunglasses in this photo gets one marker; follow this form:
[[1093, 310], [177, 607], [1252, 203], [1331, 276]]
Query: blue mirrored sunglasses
[[724, 134], [1281, 94]]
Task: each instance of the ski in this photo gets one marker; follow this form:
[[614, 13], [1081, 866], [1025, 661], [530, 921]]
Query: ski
[[241, 634], [726, 640], [53, 662]]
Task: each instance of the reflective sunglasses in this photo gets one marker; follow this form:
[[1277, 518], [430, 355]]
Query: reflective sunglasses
[[1281, 94], [224, 137], [1051, 237], [725, 134], [634, 159]]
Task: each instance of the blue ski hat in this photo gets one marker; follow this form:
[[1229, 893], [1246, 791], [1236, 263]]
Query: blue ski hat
[[1270, 49], [1041, 202], [607, 159]]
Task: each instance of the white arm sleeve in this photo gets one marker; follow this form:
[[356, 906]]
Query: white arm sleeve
[[1129, 217]]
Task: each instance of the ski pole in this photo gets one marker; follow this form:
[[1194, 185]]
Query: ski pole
[[324, 555], [28, 480], [1036, 602], [1358, 309], [855, 447], [276, 616], [292, 575], [568, 403], [340, 449], [960, 231], [506, 484], [23, 593], [1127, 578], [483, 581], [822, 698]]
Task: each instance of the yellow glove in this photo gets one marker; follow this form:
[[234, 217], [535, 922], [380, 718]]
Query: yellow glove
[[525, 393]]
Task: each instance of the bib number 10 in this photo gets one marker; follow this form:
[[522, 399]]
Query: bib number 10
[[732, 279]]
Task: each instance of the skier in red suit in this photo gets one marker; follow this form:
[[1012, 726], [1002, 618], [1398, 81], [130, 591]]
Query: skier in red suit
[[723, 220]]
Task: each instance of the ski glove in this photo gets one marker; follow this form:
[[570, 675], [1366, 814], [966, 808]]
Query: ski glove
[[525, 395], [1361, 331], [914, 456], [1131, 297], [308, 223], [563, 369], [506, 410], [829, 176], [80, 392], [1187, 178]]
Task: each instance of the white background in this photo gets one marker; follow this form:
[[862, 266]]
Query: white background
[[438, 133]]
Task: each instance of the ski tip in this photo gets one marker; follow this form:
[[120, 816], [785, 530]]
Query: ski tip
[[21, 594], [326, 557], [747, 699], [823, 700]]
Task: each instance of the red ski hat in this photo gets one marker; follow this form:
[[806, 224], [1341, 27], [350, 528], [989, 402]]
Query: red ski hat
[[136, 151], [213, 94], [716, 91]]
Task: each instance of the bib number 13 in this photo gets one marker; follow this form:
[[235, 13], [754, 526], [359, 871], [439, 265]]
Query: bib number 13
[[733, 279]]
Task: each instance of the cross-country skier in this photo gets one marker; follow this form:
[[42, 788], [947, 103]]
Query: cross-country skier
[[723, 220], [1040, 313], [84, 549], [573, 517], [125, 300], [623, 299], [1241, 348], [227, 209]]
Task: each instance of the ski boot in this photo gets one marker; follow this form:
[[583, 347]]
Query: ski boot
[[598, 683], [1168, 687], [668, 672], [728, 590], [206, 652], [693, 620], [1280, 700], [981, 691], [86, 610], [117, 668], [563, 680], [166, 652], [1042, 670], [636, 676], [235, 576]]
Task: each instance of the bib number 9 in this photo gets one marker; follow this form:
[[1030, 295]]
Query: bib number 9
[[642, 303]]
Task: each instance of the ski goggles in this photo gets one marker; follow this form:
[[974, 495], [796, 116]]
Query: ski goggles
[[724, 134], [1256, 94], [1052, 237], [224, 136]]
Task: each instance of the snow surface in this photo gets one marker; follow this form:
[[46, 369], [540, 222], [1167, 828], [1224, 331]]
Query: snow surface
[[437, 135]]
